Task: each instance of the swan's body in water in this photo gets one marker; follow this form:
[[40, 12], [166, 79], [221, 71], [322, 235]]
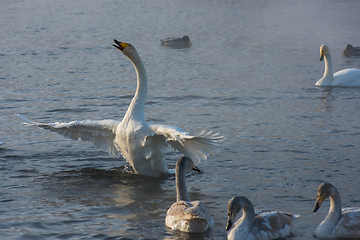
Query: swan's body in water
[[339, 223], [142, 144], [351, 51], [349, 77], [267, 225], [173, 42], [184, 215]]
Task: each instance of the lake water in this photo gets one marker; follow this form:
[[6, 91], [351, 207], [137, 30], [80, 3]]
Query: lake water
[[250, 75]]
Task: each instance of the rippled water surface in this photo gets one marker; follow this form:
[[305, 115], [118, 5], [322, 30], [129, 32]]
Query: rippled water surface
[[249, 75]]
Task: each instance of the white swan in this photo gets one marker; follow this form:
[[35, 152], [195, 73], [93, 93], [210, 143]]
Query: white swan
[[349, 77], [339, 223], [267, 225], [184, 215], [142, 144], [173, 42]]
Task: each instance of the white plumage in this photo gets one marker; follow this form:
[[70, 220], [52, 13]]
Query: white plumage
[[142, 144]]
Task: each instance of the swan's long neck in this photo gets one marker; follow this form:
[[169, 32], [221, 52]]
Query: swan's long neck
[[181, 191], [248, 217], [334, 212], [329, 71], [136, 109]]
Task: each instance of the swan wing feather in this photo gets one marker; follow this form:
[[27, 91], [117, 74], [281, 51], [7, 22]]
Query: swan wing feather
[[179, 210], [189, 217], [197, 147], [100, 133], [273, 224], [200, 210], [347, 77], [349, 224]]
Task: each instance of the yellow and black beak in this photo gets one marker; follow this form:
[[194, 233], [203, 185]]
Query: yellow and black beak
[[230, 220], [195, 168], [229, 224], [321, 56], [319, 201], [120, 45]]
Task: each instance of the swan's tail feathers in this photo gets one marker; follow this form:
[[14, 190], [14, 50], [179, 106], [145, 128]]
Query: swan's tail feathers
[[197, 147], [100, 133]]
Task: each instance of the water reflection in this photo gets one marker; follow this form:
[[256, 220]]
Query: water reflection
[[133, 204], [326, 100], [140, 201], [188, 236]]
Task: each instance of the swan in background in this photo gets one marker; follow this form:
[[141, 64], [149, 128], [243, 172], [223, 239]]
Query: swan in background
[[349, 77], [351, 51], [184, 215], [173, 42], [339, 223], [267, 225], [142, 144]]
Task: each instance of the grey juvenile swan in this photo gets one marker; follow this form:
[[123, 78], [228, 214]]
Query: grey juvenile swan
[[265, 226], [184, 215], [339, 223]]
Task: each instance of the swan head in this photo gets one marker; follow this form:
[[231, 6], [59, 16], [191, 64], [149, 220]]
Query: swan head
[[186, 163], [324, 191], [234, 207], [126, 48], [324, 50]]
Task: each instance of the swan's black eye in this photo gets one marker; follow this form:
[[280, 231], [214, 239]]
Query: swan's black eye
[[129, 45]]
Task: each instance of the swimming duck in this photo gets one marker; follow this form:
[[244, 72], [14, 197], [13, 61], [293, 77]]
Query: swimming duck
[[351, 51], [264, 226], [184, 215], [173, 42], [339, 223], [142, 144], [349, 77]]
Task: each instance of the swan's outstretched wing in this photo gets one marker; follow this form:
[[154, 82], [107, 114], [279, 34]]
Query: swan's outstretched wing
[[100, 133], [197, 147]]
